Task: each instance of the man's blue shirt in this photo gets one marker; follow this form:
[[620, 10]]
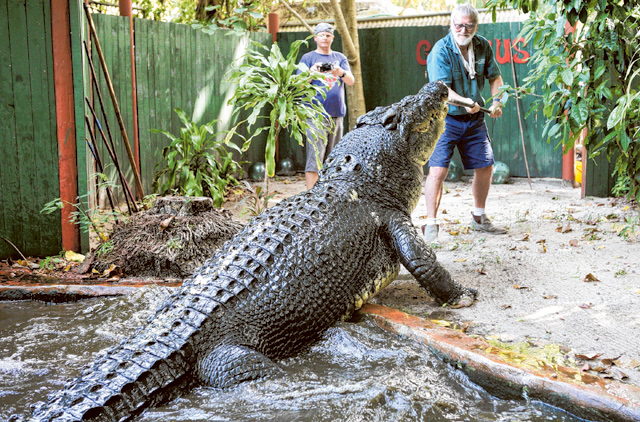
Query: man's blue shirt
[[334, 104], [445, 64]]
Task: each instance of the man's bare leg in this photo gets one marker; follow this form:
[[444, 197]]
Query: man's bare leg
[[481, 185], [432, 195], [310, 177], [433, 189]]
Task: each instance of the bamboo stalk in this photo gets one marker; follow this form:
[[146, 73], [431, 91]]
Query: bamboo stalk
[[14, 247], [125, 137], [128, 195], [94, 78], [96, 156], [515, 85]]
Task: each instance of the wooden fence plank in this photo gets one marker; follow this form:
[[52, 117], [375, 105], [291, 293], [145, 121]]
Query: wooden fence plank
[[24, 125], [11, 221], [45, 184]]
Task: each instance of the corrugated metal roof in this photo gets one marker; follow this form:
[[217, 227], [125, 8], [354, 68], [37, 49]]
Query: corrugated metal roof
[[427, 19]]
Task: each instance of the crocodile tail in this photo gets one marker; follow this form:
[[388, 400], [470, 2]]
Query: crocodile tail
[[150, 368]]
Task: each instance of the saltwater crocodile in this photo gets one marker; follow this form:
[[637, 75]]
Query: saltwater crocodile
[[277, 285]]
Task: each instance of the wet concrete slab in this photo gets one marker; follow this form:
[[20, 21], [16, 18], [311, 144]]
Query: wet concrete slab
[[509, 375]]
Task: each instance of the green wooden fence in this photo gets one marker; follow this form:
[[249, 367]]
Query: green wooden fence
[[393, 66], [28, 143], [177, 66]]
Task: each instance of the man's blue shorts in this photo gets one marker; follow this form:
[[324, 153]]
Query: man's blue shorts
[[469, 133]]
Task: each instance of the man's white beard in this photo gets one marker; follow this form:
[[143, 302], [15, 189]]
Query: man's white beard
[[463, 41]]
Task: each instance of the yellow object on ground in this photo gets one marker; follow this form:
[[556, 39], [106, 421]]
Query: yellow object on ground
[[578, 171]]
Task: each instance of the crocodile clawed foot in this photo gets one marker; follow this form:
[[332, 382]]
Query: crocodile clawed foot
[[467, 298]]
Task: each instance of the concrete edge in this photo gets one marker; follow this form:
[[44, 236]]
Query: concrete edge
[[498, 371]]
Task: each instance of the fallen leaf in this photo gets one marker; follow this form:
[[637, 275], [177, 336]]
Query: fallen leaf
[[460, 260], [516, 286], [574, 243], [567, 228], [110, 270], [444, 211], [589, 278], [541, 241], [549, 297], [441, 322], [525, 238], [166, 222], [586, 305], [482, 271], [609, 361], [506, 307], [588, 356]]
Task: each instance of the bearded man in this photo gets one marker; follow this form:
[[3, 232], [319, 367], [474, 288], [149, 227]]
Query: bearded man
[[463, 60]]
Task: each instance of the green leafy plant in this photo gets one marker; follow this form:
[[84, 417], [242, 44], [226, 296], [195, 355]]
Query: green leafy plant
[[622, 186], [87, 219], [588, 77], [50, 262], [104, 248], [174, 243], [197, 162], [629, 229], [278, 97], [257, 201], [247, 17]]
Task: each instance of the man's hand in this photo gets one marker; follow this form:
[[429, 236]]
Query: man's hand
[[496, 110], [474, 109], [337, 71]]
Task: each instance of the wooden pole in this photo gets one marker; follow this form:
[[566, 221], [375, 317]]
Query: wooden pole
[[126, 10], [132, 160], [65, 119]]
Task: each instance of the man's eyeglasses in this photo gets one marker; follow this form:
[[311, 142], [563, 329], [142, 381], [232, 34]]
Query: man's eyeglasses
[[324, 36], [469, 26]]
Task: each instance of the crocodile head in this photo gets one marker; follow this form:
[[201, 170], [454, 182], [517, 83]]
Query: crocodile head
[[423, 120]]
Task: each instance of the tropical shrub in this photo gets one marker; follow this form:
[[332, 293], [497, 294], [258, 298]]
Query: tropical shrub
[[277, 96], [590, 76], [196, 163]]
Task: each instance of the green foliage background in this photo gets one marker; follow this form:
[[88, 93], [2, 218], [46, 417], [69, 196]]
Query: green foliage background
[[590, 76]]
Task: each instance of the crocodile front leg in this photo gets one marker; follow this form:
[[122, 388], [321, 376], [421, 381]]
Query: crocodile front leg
[[420, 260]]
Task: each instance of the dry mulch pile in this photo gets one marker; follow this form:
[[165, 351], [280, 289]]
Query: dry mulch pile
[[172, 239]]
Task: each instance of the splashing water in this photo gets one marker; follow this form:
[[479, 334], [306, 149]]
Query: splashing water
[[358, 372]]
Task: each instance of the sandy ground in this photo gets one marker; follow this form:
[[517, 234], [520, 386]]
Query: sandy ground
[[564, 283]]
